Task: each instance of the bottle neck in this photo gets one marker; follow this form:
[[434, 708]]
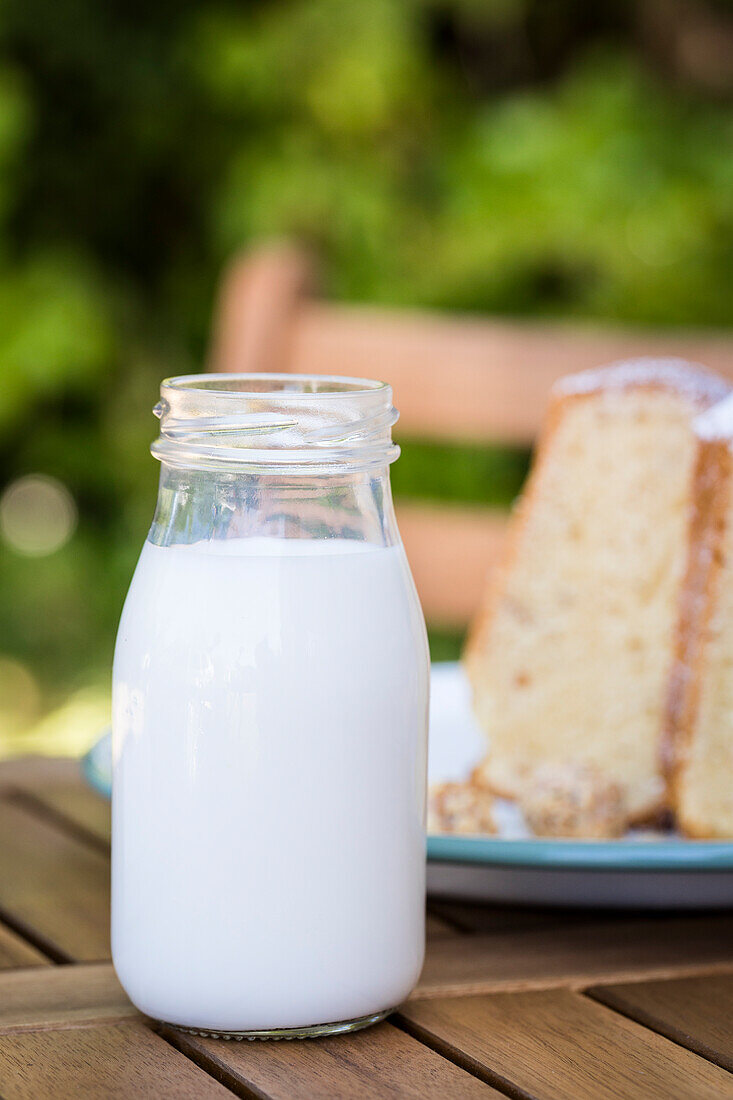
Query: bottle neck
[[196, 505]]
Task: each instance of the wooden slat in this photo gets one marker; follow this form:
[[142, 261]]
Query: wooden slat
[[556, 1044], [57, 784], [454, 377], [61, 996], [15, 951], [257, 301], [460, 378], [116, 1060], [53, 885], [694, 1012], [36, 771], [451, 552], [379, 1062], [576, 956]]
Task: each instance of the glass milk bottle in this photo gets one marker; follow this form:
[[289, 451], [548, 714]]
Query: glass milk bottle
[[270, 717]]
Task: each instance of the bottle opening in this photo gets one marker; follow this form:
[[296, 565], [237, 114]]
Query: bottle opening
[[274, 385], [307, 423]]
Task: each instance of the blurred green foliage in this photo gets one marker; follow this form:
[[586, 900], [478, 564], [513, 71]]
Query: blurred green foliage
[[460, 472], [515, 156]]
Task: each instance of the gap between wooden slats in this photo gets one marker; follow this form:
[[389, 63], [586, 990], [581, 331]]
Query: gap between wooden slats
[[695, 1012], [473, 918], [435, 927], [16, 951]]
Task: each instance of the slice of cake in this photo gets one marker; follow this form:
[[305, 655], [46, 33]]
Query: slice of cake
[[699, 730], [571, 655]]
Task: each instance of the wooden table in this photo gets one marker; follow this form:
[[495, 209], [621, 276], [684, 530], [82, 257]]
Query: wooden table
[[519, 1003]]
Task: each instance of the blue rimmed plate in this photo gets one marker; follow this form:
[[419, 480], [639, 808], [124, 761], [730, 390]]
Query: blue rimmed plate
[[96, 766], [649, 870]]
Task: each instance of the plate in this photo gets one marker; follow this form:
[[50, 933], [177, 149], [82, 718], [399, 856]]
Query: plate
[[96, 765], [663, 872]]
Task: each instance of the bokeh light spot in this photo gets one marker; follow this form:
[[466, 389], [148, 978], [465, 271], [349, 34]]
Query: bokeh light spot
[[37, 515]]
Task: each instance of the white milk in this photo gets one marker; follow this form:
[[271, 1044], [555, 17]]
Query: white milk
[[270, 707]]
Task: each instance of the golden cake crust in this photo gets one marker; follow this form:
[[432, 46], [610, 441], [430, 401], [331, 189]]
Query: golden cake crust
[[709, 512]]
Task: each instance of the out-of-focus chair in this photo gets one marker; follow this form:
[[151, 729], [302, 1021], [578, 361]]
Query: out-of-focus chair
[[455, 379]]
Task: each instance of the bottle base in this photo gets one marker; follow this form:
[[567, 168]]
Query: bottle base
[[315, 1031]]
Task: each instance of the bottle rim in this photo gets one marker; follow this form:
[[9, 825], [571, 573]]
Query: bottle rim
[[299, 423], [274, 384]]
